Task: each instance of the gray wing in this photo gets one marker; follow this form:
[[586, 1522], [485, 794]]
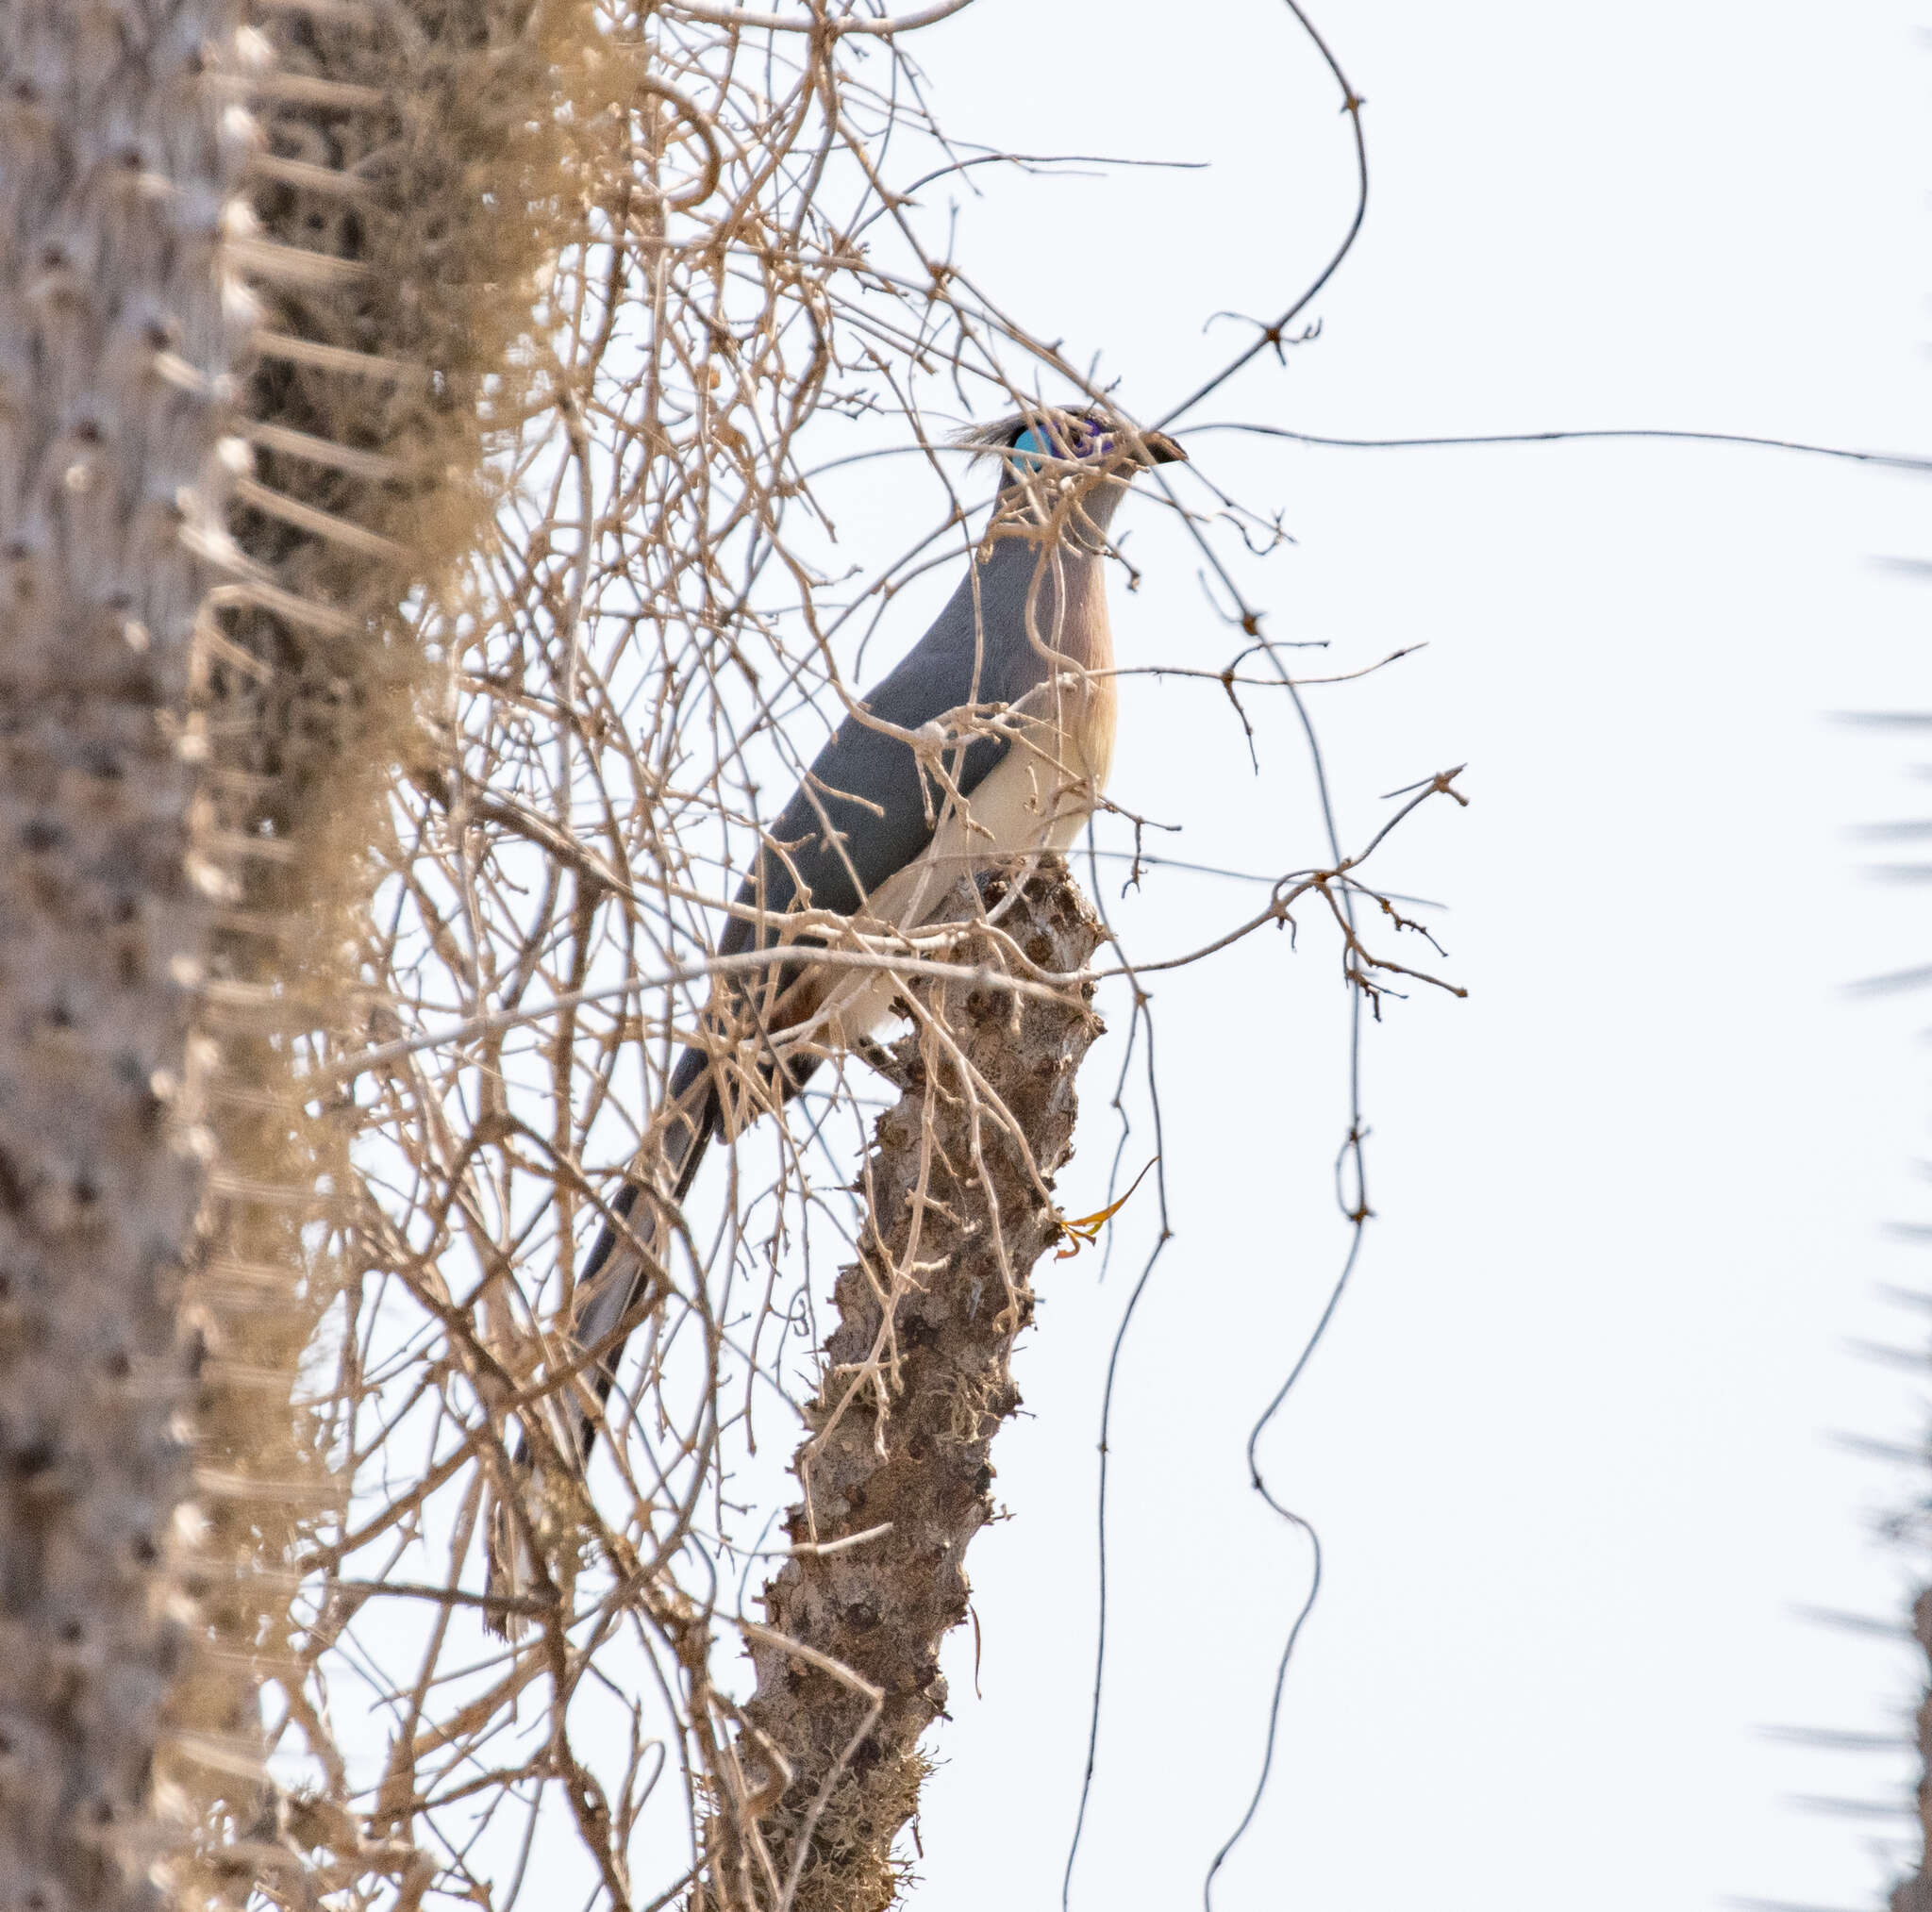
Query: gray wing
[[861, 815]]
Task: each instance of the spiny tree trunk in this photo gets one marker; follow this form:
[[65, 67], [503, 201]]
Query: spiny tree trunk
[[198, 715], [117, 341], [407, 185], [917, 1379], [1915, 1893]]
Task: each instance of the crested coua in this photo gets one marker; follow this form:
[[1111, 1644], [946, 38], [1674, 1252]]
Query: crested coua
[[992, 738]]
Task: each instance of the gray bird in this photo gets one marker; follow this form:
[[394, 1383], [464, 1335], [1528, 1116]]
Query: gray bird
[[1008, 698]]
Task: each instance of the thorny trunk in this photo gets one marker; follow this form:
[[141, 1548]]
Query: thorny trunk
[[1915, 1893], [196, 726], [917, 1378], [407, 185], [116, 343]]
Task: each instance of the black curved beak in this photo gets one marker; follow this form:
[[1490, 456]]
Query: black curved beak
[[1162, 450]]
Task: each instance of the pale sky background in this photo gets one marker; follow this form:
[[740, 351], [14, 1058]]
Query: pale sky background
[[1574, 1444], [1569, 1445]]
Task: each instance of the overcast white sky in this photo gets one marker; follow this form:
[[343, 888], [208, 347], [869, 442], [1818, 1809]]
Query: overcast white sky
[[1569, 1445]]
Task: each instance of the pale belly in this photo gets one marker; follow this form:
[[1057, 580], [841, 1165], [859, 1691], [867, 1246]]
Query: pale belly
[[1029, 803]]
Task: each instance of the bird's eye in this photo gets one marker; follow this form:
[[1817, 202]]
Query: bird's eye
[[1030, 445]]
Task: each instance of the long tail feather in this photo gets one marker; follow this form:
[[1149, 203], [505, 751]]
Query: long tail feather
[[618, 1272], [617, 1276], [614, 1281]]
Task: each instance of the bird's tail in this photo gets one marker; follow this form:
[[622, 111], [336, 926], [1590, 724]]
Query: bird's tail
[[618, 1274], [615, 1280]]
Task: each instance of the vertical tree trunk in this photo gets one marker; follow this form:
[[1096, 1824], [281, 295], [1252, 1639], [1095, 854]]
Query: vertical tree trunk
[[1914, 1894], [196, 729], [917, 1380], [116, 343], [409, 182]]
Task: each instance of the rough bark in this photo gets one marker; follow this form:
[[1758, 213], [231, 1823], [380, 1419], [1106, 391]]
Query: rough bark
[[205, 676], [116, 343], [916, 1380]]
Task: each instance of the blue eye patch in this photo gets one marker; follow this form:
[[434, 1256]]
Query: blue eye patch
[[1088, 441]]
